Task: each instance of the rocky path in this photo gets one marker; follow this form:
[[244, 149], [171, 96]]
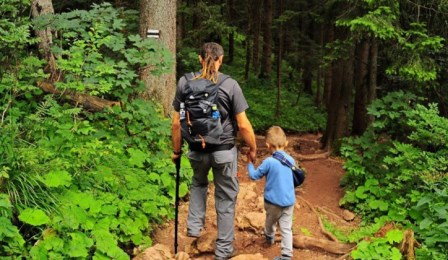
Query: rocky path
[[318, 198]]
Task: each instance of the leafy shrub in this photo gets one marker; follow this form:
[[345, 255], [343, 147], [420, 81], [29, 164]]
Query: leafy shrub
[[76, 184], [398, 164]]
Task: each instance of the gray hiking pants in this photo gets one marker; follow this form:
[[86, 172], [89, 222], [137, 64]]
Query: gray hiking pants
[[282, 215], [224, 167]]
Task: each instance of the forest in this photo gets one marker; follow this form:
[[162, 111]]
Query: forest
[[85, 106]]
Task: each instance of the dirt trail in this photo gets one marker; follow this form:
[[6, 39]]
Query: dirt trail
[[321, 189]]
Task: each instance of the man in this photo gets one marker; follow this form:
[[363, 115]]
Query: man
[[222, 158]]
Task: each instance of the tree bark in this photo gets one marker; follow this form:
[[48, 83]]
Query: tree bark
[[160, 15], [231, 16], [340, 101], [266, 63], [328, 74], [38, 8], [323, 244], [373, 71], [279, 62], [248, 42], [255, 25], [360, 120]]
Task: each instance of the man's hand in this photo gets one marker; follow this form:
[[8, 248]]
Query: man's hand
[[175, 157], [252, 156]]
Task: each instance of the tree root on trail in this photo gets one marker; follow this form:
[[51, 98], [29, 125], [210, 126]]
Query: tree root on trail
[[321, 225], [305, 242], [89, 102], [310, 157]]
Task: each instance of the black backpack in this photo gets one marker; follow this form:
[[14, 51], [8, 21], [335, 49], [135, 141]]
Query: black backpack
[[200, 122]]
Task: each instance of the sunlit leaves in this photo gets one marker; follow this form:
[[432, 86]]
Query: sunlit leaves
[[35, 217]]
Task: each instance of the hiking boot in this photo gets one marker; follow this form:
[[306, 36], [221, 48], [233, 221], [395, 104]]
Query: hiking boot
[[233, 254], [269, 240], [193, 235], [282, 257]]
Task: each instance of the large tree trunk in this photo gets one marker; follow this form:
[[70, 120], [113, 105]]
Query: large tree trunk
[[340, 102], [360, 120], [38, 8], [266, 63], [160, 15], [328, 74]]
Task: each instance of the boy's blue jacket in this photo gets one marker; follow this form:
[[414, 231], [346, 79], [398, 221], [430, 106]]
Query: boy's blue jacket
[[279, 187]]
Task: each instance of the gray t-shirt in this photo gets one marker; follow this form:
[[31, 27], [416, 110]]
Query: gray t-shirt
[[231, 103]]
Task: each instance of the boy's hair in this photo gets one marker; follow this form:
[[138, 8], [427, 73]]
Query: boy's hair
[[276, 137]]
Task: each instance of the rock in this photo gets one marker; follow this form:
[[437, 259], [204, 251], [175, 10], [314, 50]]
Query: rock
[[156, 252], [257, 256], [251, 221], [347, 215], [182, 256], [206, 243]]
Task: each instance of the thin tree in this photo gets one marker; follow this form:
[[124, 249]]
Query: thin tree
[[266, 63]]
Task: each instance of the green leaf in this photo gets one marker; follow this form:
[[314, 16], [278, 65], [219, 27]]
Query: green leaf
[[394, 236], [360, 192], [57, 178], [137, 157], [79, 245], [35, 217]]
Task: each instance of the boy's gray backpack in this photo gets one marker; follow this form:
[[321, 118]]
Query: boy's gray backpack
[[200, 122]]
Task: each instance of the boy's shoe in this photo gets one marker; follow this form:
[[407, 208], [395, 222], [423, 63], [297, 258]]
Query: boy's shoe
[[269, 240], [282, 257]]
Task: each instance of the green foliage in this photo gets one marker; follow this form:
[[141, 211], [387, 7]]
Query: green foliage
[[82, 185], [380, 247], [96, 57], [397, 167], [298, 113], [412, 48]]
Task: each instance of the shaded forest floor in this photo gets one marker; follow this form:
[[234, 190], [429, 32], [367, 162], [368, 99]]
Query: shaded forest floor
[[320, 191]]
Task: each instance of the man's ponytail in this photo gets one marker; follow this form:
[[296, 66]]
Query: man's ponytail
[[210, 53]]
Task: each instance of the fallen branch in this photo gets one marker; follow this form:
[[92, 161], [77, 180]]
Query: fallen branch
[[321, 225], [305, 242], [89, 102], [329, 212]]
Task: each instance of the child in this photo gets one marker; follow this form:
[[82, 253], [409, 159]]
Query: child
[[279, 195]]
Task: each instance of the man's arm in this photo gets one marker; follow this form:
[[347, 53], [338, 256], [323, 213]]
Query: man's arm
[[176, 136], [247, 132]]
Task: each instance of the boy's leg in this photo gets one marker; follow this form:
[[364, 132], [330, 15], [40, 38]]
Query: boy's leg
[[285, 223], [198, 192], [273, 214], [224, 165]]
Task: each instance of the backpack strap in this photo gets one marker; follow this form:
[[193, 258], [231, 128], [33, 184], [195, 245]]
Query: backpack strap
[[282, 159]]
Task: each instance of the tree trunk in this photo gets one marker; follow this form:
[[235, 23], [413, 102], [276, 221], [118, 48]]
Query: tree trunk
[[160, 15], [340, 102], [231, 16], [360, 120], [255, 25], [248, 41], [328, 74], [371, 94], [266, 63], [279, 61], [38, 8]]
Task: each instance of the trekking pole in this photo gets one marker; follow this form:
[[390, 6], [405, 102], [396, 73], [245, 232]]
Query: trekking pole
[[176, 211]]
